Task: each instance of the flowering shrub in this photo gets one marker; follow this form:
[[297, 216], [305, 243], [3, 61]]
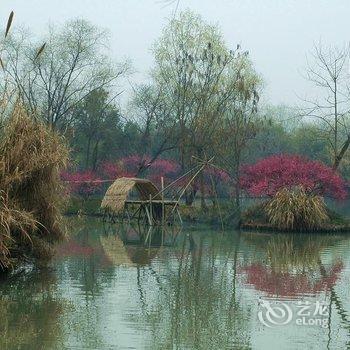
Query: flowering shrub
[[127, 167], [166, 168], [131, 164], [84, 183], [113, 170], [269, 175]]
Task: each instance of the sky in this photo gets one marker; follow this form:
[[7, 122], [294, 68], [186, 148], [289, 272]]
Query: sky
[[279, 34]]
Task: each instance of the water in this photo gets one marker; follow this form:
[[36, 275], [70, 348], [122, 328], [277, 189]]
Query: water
[[202, 289]]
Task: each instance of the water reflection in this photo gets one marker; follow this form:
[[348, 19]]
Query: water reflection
[[30, 311], [119, 287], [120, 254], [199, 307], [292, 265]]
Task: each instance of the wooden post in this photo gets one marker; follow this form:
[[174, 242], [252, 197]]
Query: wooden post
[[179, 215], [148, 214], [150, 209], [163, 206]]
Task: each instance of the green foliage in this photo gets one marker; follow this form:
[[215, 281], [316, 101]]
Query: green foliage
[[296, 210], [79, 206], [98, 128], [255, 214]]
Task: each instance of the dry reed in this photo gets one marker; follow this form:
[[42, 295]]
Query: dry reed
[[31, 158], [296, 210]]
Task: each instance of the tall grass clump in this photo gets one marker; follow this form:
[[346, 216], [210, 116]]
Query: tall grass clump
[[31, 192], [296, 210]]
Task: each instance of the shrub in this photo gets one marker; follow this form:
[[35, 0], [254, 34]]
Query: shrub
[[31, 159], [296, 210], [112, 170], [270, 175], [83, 183]]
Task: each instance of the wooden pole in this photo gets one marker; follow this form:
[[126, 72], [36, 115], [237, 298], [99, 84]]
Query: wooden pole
[[179, 178], [189, 183], [150, 209], [163, 206], [148, 215]]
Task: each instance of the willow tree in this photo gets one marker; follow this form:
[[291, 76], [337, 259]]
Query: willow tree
[[203, 84]]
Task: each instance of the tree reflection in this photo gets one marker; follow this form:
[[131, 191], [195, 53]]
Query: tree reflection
[[197, 306], [291, 265], [297, 266], [30, 312]]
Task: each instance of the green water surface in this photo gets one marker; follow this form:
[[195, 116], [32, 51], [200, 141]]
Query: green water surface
[[124, 288]]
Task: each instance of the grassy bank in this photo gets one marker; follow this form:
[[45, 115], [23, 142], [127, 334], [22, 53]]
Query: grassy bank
[[256, 218], [253, 218], [80, 206]]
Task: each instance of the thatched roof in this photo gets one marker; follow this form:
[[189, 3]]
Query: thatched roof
[[117, 193]]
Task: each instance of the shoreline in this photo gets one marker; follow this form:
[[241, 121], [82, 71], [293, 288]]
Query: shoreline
[[269, 228]]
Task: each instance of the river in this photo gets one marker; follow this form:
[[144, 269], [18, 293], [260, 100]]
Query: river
[[197, 288]]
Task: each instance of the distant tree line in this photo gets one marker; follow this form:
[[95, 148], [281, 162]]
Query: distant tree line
[[201, 101]]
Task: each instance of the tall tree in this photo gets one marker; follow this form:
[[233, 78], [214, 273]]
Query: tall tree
[[156, 126], [202, 81], [71, 66], [97, 126], [328, 72]]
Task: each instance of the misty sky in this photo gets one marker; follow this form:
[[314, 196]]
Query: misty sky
[[277, 33]]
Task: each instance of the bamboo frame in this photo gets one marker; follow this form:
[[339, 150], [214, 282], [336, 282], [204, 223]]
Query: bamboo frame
[[147, 205]]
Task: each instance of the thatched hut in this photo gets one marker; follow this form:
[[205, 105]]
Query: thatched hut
[[141, 199], [119, 192]]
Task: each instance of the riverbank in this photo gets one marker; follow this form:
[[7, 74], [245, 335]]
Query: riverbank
[[190, 214], [259, 227], [255, 218]]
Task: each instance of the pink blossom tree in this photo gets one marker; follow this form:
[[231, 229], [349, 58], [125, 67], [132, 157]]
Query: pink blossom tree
[[113, 170], [271, 174], [166, 168], [82, 183]]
